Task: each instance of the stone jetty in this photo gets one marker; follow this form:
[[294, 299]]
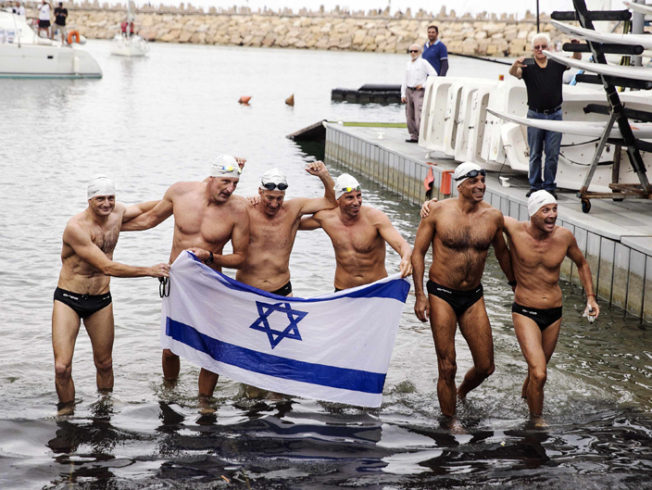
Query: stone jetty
[[376, 30]]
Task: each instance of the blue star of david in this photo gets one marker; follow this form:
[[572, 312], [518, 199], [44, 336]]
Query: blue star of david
[[275, 336]]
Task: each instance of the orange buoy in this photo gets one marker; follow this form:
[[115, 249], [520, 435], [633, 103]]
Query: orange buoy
[[290, 100], [244, 99], [73, 35], [446, 187]]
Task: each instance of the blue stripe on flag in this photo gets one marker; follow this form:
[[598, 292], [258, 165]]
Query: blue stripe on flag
[[396, 289], [280, 367]]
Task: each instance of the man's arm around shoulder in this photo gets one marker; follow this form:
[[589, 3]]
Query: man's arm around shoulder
[[501, 250], [147, 215]]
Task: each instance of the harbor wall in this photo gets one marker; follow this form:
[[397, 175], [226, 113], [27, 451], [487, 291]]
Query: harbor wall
[[373, 31], [621, 266]]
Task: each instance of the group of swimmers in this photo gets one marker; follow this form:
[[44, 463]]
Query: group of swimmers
[[262, 230]]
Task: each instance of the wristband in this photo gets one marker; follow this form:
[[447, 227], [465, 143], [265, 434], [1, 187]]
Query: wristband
[[512, 283], [209, 260]]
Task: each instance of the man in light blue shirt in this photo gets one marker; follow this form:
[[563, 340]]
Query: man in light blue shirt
[[435, 52]]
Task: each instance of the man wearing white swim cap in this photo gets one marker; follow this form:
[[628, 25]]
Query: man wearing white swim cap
[[460, 230], [358, 234], [206, 217], [537, 248], [274, 222], [82, 292]]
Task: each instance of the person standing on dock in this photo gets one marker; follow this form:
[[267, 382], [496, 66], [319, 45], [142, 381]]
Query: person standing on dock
[[359, 234], [413, 89], [537, 248], [460, 229], [435, 52], [206, 216], [543, 80], [273, 227], [60, 16], [44, 24], [82, 291]]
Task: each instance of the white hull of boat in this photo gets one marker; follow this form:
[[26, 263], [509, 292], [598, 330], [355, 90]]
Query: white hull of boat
[[129, 46], [24, 55], [635, 72], [499, 144]]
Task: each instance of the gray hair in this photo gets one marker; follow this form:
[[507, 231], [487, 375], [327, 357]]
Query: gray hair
[[541, 35]]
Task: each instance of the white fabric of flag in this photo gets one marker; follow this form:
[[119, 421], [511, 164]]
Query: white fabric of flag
[[335, 347]]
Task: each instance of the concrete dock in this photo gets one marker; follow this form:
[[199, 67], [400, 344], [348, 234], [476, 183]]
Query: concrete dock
[[615, 237]]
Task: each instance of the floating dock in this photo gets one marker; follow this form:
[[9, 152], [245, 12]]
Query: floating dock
[[616, 237]]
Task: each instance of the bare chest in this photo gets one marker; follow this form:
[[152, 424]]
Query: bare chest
[[210, 224], [463, 235], [106, 237], [272, 234]]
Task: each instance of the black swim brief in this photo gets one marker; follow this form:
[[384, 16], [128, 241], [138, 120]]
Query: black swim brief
[[542, 317], [83, 304], [284, 290], [460, 301]]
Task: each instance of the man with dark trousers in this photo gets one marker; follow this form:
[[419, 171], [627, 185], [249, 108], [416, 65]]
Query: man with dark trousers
[[543, 79]]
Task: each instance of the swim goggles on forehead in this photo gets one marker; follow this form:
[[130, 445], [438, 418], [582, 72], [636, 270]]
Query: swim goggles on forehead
[[350, 189], [472, 174], [270, 186], [231, 168]]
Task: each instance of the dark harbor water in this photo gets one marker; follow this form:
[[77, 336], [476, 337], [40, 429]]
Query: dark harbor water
[[149, 123]]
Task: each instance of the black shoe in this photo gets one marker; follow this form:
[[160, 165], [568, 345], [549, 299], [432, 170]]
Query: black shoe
[[529, 193], [411, 140], [554, 194]]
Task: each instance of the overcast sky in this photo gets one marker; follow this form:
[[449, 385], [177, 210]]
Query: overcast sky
[[518, 7]]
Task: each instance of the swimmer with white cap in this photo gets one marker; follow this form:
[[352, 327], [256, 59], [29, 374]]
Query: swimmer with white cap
[[537, 248], [274, 224], [460, 231], [359, 235], [82, 293]]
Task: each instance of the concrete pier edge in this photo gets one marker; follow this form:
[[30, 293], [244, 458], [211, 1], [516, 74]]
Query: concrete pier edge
[[616, 238]]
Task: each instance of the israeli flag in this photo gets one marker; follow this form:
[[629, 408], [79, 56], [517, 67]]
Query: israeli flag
[[335, 347]]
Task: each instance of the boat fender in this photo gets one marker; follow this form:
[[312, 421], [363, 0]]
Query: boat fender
[[73, 35]]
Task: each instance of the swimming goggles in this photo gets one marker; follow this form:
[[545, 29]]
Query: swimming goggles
[[270, 186], [472, 174], [231, 168], [350, 189]]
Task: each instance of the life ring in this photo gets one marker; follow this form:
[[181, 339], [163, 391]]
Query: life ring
[[75, 35]]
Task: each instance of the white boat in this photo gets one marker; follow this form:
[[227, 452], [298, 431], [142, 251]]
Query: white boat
[[501, 142], [25, 55], [126, 43]]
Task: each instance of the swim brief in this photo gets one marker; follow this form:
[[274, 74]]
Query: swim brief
[[460, 301], [542, 317], [284, 290], [83, 304]]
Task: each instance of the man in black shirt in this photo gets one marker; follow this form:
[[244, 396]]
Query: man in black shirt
[[543, 80], [60, 15]]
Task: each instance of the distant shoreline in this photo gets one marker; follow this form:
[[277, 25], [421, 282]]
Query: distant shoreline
[[373, 31]]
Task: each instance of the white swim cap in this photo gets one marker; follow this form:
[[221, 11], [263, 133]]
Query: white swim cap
[[100, 186], [345, 183], [273, 179], [539, 199], [462, 170], [225, 166]]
